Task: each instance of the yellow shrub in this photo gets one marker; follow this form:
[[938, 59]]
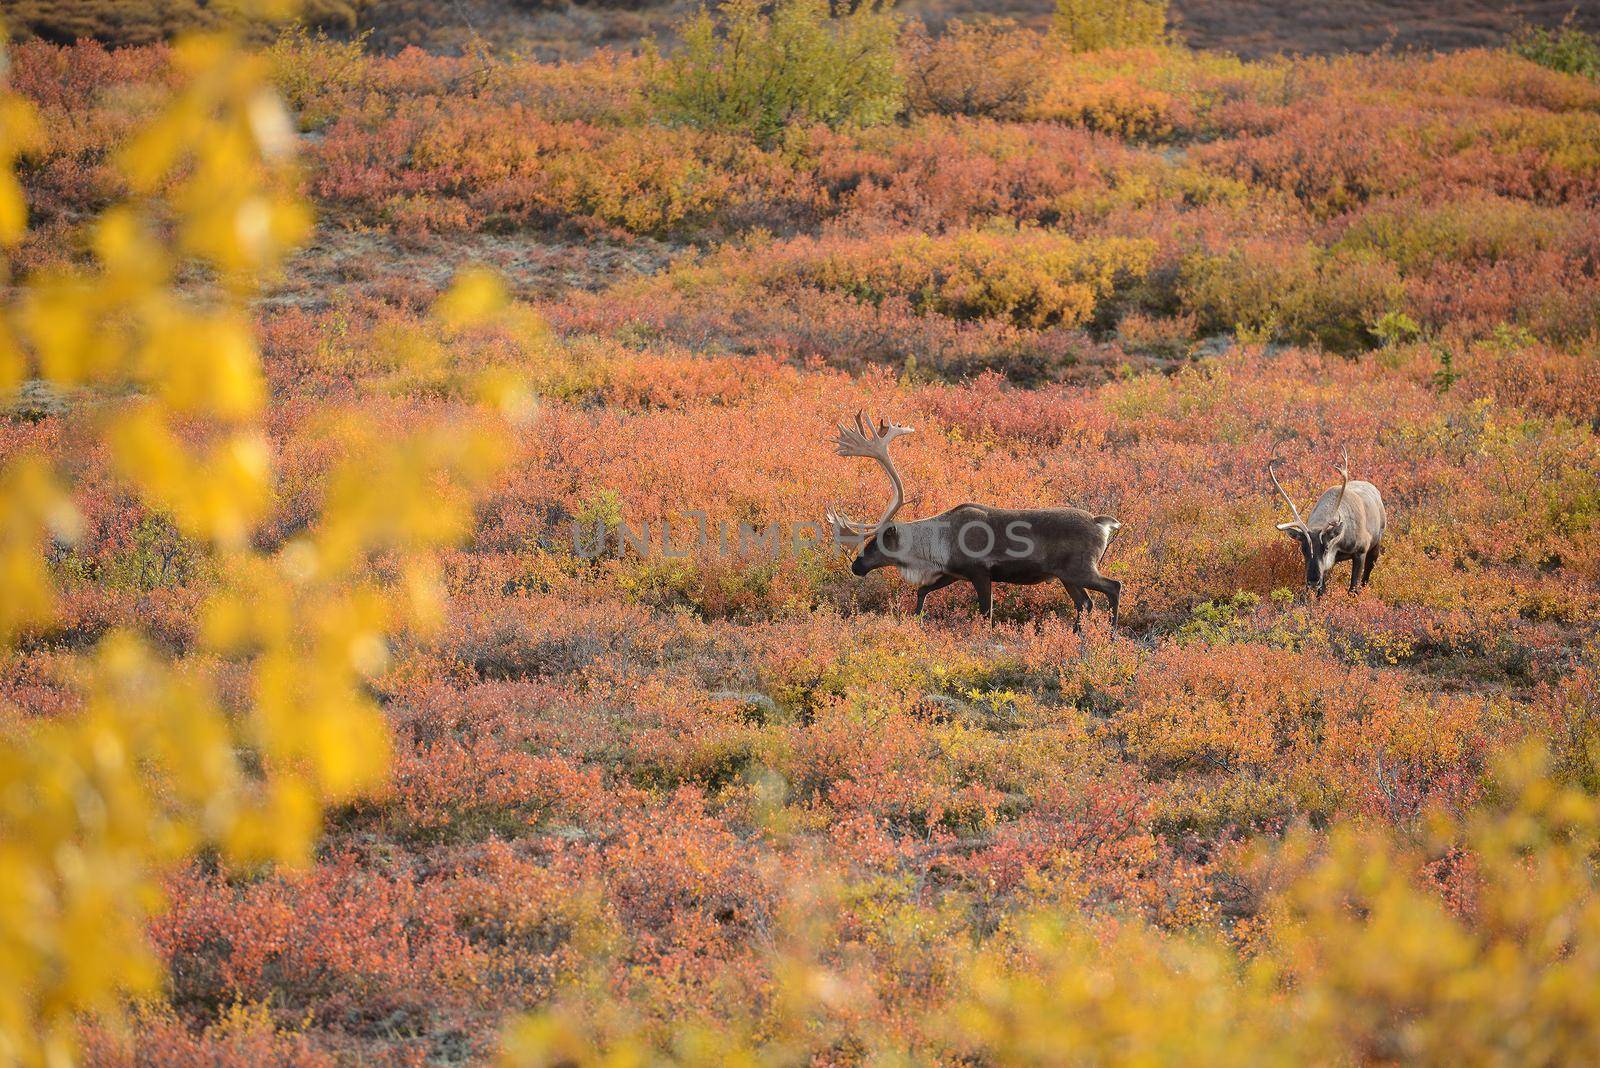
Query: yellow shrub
[[1121, 108], [1032, 277], [1486, 229], [1089, 25]]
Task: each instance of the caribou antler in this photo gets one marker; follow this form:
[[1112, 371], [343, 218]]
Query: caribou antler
[[872, 443], [1301, 523], [1344, 472]]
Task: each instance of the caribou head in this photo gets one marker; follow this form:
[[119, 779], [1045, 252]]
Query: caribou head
[[878, 542]]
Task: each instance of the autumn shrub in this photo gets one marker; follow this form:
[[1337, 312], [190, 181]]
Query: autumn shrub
[[632, 183], [1118, 108], [1494, 76], [748, 70], [245, 1034], [1478, 263], [153, 555], [1545, 156], [67, 170], [1212, 806], [1340, 917], [1090, 25], [1158, 93], [1167, 338], [939, 174], [1574, 707], [232, 941], [1035, 280], [990, 69], [1343, 152], [445, 167], [1549, 380], [1329, 160], [151, 21], [334, 15], [835, 327]]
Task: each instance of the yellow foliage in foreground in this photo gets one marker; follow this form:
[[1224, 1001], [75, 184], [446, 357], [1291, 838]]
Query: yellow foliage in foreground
[[162, 761], [1362, 959]]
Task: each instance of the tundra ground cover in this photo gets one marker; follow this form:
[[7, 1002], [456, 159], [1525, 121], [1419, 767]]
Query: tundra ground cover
[[715, 800]]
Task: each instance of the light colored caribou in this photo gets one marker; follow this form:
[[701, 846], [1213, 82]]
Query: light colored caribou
[[1346, 523]]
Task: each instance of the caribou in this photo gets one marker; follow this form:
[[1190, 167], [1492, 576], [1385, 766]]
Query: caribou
[[973, 542], [1346, 524]]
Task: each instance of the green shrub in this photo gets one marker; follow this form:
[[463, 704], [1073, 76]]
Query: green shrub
[[1566, 49], [1470, 230], [1218, 622], [1089, 25], [1301, 294], [748, 70], [158, 557]]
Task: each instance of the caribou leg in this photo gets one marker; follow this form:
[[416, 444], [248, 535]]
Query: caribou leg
[[1080, 601], [985, 587], [1109, 586], [1112, 588], [1358, 567], [1372, 558], [937, 584]]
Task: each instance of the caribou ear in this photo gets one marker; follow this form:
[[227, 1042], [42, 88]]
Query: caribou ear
[[889, 538], [1291, 529]]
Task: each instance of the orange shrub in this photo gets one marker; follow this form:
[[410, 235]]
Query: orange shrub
[[990, 69]]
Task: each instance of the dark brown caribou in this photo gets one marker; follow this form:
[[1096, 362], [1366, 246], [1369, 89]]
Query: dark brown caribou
[[973, 542]]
